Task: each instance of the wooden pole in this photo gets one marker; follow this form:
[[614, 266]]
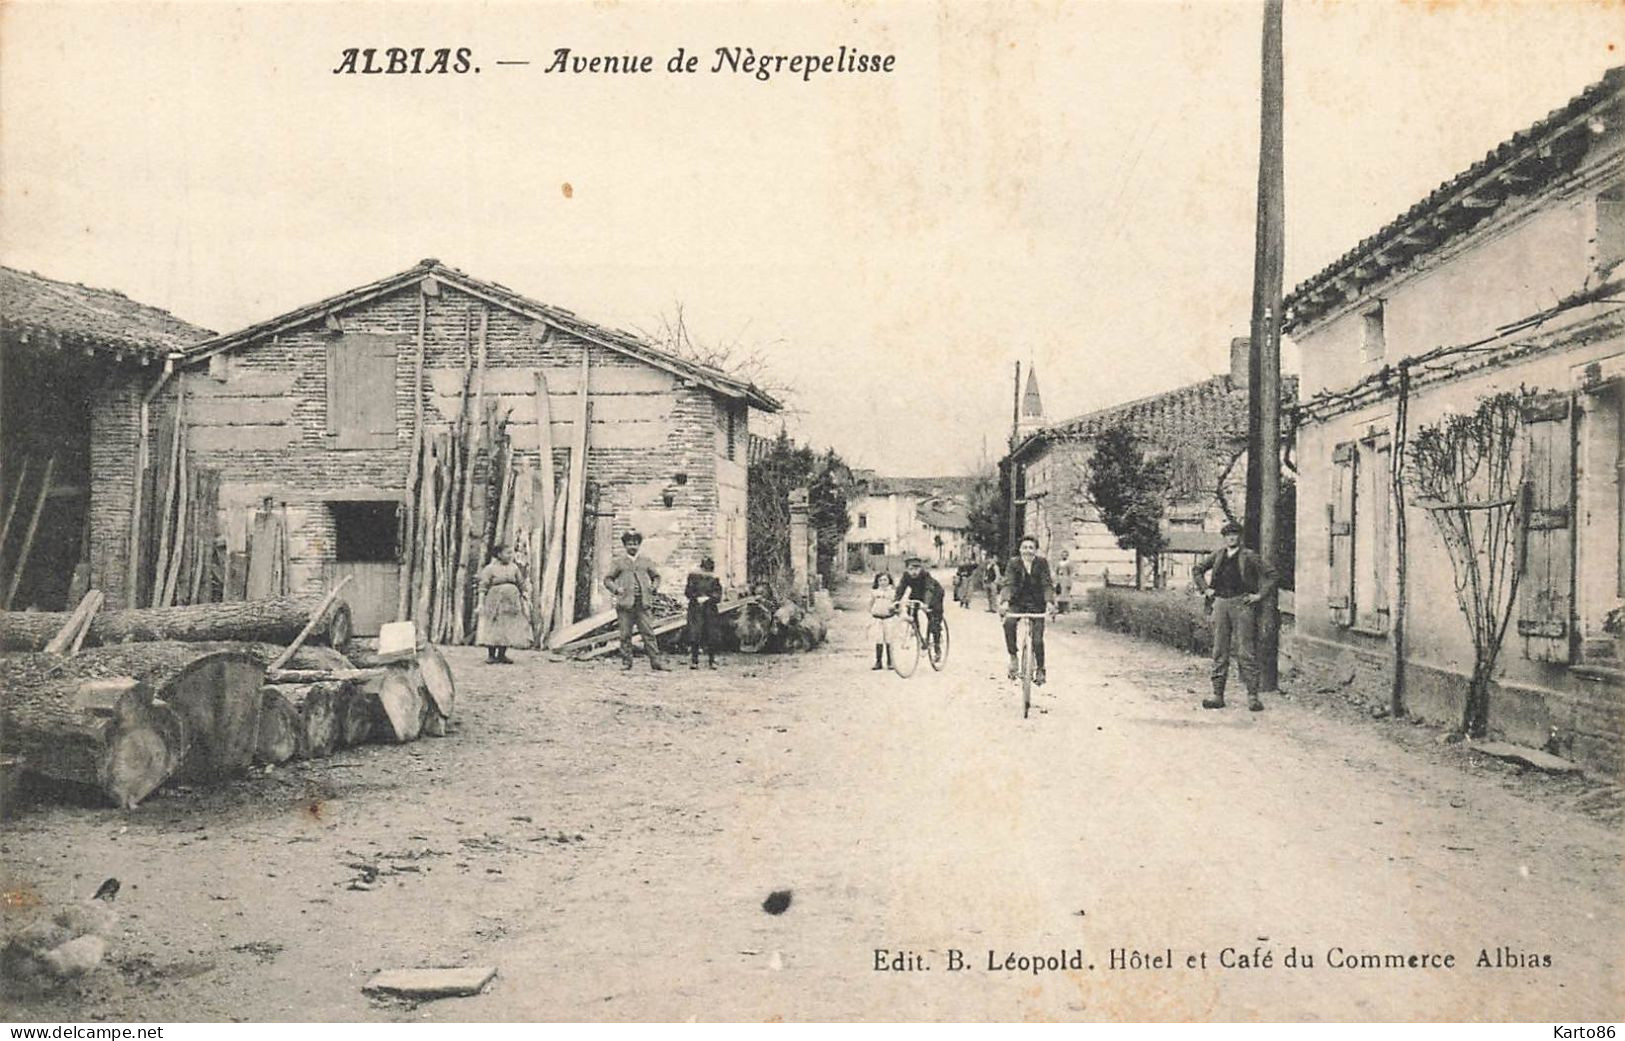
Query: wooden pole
[[161, 565], [11, 506], [405, 600], [1011, 532], [1396, 694], [316, 616], [577, 500], [1266, 336], [28, 537], [470, 542]]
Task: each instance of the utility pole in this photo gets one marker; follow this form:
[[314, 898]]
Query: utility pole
[[1264, 376], [1010, 467]]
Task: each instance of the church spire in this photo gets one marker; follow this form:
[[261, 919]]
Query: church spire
[[1032, 405]]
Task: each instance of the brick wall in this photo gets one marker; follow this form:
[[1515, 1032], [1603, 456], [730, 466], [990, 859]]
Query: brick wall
[[261, 420], [114, 433]]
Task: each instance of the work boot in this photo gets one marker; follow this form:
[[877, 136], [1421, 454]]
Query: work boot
[[693, 664], [656, 664], [1038, 677], [626, 663], [710, 663], [1015, 666], [1253, 704], [1216, 700], [880, 650]]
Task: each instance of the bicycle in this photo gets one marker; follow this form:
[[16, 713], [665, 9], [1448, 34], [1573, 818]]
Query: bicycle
[[1024, 643], [936, 651]]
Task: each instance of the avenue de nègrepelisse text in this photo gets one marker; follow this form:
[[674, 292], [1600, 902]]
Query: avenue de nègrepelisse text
[[739, 61]]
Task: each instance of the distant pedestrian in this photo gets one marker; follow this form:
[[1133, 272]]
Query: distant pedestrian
[[1241, 578], [503, 620], [882, 607], [704, 593], [633, 579], [990, 583]]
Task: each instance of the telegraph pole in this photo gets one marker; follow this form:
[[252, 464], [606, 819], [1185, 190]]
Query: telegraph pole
[[1010, 457], [1264, 380]]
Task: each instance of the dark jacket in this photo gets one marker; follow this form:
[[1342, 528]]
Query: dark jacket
[[1027, 592], [703, 583], [632, 579], [923, 588], [1256, 574]]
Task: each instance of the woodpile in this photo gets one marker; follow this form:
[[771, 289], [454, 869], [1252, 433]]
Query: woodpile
[[201, 694]]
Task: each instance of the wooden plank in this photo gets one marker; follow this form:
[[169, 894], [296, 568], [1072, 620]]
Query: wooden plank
[[562, 381], [243, 411], [256, 438], [246, 384], [574, 515], [432, 983]]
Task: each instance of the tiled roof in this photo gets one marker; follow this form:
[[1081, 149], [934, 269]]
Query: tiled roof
[[614, 339], [925, 487], [1525, 163], [66, 313], [1217, 399], [943, 513]]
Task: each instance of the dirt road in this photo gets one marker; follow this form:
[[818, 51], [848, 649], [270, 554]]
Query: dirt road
[[607, 839]]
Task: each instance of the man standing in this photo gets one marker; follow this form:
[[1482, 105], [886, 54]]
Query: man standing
[[1028, 589], [1241, 578], [633, 579]]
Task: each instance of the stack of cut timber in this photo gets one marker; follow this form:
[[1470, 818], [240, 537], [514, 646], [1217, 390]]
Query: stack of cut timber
[[597, 636], [277, 620]]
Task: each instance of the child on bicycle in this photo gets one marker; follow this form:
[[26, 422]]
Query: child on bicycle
[[1027, 589], [917, 584]]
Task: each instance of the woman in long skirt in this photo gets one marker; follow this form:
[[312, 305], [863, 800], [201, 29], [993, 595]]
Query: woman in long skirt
[[503, 620]]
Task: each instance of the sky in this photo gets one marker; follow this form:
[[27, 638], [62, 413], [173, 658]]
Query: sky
[[1071, 186]]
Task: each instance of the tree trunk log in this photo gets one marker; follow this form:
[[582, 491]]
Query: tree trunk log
[[272, 621], [278, 737], [111, 736], [352, 709], [397, 699], [216, 691], [316, 708], [752, 624]]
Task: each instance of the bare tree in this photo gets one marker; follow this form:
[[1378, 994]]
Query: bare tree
[[732, 356]]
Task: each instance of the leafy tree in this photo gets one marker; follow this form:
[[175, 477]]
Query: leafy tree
[[772, 478], [1130, 490], [989, 512]]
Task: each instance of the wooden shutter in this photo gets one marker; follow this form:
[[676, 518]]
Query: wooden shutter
[[1340, 523], [361, 391], [1546, 588]]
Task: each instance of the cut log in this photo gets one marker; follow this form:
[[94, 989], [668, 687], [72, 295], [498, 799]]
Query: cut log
[[397, 701], [215, 691], [118, 740], [278, 737], [352, 709], [752, 626], [316, 708], [274, 621], [323, 675], [438, 682]]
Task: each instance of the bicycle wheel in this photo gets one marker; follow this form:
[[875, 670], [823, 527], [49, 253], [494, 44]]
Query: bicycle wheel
[[905, 651], [1026, 668], [938, 650]]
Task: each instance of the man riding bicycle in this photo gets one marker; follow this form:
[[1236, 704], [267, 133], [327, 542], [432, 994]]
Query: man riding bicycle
[[917, 584], [1027, 589]]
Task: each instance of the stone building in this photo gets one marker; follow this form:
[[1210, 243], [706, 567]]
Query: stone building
[[1507, 276], [308, 418], [895, 517], [1201, 431]]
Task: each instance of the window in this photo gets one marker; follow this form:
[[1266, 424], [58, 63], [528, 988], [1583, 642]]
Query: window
[[361, 391], [365, 532], [863, 520], [1359, 525], [1373, 335]]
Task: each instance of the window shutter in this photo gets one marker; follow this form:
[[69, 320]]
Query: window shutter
[[1546, 590], [1340, 517], [361, 391]]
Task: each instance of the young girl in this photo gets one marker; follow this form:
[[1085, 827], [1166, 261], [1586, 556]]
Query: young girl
[[704, 592], [881, 607]]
